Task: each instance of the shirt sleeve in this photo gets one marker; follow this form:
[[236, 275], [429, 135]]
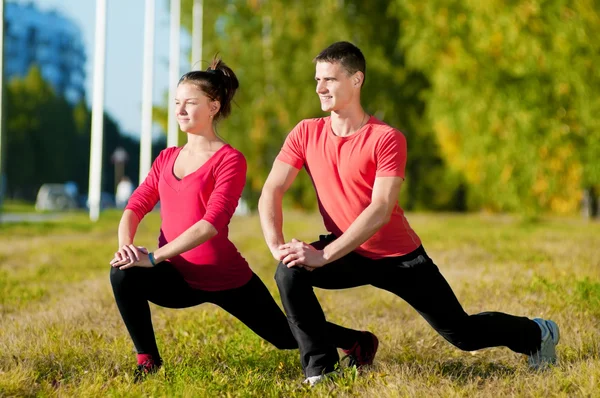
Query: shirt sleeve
[[293, 152], [391, 155], [146, 196], [230, 178]]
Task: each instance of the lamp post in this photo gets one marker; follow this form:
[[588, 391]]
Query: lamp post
[[197, 13], [97, 112], [119, 158], [148, 75], [2, 124], [174, 56]]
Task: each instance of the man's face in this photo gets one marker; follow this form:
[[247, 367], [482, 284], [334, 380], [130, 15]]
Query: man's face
[[335, 87]]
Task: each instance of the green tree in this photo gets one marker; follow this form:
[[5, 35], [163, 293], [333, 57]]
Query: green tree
[[271, 44], [38, 123], [514, 95], [48, 139]]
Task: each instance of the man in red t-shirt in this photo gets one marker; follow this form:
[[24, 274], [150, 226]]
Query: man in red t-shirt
[[357, 163]]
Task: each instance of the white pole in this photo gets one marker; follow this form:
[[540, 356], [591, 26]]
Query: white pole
[[97, 112], [174, 55], [146, 132], [2, 125], [197, 35]]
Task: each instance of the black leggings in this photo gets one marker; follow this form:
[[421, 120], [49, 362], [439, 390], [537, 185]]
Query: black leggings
[[163, 285], [414, 278]]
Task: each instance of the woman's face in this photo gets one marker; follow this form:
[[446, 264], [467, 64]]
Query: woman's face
[[194, 110]]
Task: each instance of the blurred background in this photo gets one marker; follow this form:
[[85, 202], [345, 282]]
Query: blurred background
[[499, 100]]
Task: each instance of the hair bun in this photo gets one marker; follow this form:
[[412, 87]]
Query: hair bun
[[215, 71]]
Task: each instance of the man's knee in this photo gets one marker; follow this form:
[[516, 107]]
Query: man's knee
[[285, 276]]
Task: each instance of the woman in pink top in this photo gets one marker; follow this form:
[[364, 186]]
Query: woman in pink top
[[198, 186]]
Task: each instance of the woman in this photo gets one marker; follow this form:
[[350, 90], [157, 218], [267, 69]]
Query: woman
[[199, 186]]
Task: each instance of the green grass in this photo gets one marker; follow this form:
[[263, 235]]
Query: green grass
[[17, 206], [61, 334]]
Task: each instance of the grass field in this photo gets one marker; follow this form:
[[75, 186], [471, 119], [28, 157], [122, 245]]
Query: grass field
[[17, 206], [61, 333]]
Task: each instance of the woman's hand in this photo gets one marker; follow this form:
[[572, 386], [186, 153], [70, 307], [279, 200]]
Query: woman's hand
[[131, 256]]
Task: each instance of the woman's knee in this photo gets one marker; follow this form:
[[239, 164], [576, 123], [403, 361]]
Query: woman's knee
[[120, 278]]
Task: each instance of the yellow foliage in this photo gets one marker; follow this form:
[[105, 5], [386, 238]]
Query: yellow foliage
[[563, 88], [257, 133], [540, 186], [568, 198], [506, 173], [496, 41], [449, 141], [474, 170]]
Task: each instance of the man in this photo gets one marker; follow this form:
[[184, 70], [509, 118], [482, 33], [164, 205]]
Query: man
[[357, 163], [124, 191]]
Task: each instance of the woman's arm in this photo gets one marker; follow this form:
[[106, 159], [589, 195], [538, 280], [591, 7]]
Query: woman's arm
[[141, 202], [194, 236], [128, 227], [230, 178]]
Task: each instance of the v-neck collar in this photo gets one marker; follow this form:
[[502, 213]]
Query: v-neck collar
[[179, 184]]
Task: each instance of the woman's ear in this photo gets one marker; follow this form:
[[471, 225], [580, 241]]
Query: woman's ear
[[214, 107]]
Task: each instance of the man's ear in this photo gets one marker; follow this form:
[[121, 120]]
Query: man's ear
[[358, 78]]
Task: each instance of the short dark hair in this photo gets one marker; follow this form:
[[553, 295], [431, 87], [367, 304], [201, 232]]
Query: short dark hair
[[347, 54], [218, 82]]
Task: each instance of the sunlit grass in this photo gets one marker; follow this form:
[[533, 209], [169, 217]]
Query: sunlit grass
[[61, 334], [17, 206]]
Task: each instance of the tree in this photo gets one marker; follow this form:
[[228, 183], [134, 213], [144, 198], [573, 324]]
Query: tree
[[514, 95], [270, 45], [38, 126], [48, 139]]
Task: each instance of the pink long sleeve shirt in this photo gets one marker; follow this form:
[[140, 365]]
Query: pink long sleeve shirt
[[211, 193]]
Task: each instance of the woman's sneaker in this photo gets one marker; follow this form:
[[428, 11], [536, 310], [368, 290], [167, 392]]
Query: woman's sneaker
[[148, 366], [363, 351], [546, 355]]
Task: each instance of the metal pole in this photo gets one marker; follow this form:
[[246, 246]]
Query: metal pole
[[97, 112], [2, 124], [146, 132], [174, 55], [197, 35]]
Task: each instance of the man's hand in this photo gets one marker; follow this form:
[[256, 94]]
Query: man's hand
[[299, 254]]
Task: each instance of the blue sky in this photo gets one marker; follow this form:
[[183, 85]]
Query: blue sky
[[124, 52]]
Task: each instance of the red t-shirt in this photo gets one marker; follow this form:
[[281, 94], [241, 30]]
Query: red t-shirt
[[343, 171], [211, 193]]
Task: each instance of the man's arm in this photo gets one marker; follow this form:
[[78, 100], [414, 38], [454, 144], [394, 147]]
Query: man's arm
[[372, 219], [270, 204]]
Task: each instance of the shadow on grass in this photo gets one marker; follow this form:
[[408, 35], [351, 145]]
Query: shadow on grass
[[459, 371], [465, 373]]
